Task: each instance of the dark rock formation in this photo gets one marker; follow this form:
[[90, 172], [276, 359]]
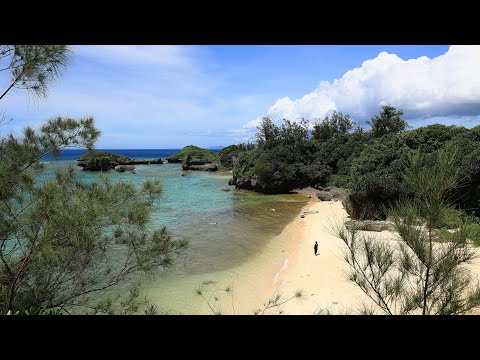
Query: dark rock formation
[[103, 164], [174, 159], [104, 161], [186, 162], [332, 193], [100, 160], [82, 163], [123, 168], [242, 183], [370, 225], [198, 161], [198, 164], [232, 181], [207, 167], [143, 162], [253, 184], [98, 164]]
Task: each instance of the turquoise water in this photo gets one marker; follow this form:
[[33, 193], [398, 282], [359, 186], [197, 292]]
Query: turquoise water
[[225, 229]]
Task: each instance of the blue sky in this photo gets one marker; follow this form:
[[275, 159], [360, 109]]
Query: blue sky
[[172, 96]]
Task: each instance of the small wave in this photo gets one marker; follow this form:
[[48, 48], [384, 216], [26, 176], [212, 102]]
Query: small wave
[[284, 267]]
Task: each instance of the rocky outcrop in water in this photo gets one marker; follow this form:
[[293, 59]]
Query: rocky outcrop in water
[[198, 164], [173, 159], [186, 162], [144, 162], [247, 184], [98, 164], [104, 161], [101, 160], [123, 168]]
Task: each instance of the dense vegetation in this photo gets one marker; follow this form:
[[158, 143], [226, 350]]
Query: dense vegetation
[[339, 152], [195, 152], [226, 155], [423, 272]]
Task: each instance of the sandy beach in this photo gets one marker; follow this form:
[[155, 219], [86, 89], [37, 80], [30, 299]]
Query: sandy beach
[[288, 264], [321, 278]]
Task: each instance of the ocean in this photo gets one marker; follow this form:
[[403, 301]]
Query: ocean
[[225, 229]]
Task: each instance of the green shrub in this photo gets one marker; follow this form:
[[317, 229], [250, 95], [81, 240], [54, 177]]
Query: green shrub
[[196, 153], [114, 158], [338, 180]]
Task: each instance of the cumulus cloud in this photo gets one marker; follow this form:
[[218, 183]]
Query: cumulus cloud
[[444, 86]]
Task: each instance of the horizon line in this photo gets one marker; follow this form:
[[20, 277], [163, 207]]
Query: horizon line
[[173, 148]]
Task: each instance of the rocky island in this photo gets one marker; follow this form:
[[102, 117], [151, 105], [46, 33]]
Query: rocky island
[[195, 158], [104, 161]]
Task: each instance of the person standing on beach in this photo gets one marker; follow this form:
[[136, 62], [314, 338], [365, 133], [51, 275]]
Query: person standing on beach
[[315, 248]]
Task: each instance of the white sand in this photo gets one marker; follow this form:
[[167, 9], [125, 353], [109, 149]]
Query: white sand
[[322, 278], [288, 264]]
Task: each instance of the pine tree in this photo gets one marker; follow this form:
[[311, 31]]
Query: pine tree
[[424, 271], [64, 243]]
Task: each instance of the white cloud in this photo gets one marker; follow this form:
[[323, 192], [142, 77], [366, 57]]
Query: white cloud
[[252, 124], [444, 86]]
